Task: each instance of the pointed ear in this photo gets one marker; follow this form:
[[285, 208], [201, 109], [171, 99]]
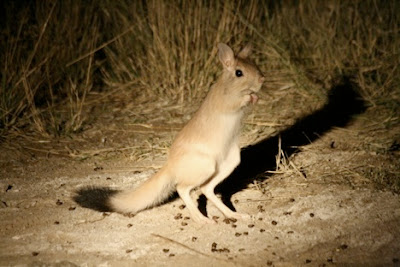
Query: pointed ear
[[226, 56], [246, 51]]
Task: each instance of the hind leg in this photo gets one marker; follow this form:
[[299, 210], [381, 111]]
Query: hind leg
[[225, 169], [192, 171], [197, 216]]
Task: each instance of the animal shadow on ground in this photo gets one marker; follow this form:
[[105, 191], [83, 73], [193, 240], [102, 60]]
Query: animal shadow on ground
[[343, 103]]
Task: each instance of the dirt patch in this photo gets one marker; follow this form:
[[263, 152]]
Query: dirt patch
[[311, 191], [294, 221]]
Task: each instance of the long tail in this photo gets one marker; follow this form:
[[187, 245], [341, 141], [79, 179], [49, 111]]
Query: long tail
[[152, 192]]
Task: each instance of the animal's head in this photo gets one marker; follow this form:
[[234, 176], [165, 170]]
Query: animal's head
[[242, 75]]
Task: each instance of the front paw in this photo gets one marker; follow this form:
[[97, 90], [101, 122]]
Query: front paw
[[246, 100], [254, 98]]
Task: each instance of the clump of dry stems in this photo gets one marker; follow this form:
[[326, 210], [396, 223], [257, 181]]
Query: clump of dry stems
[[55, 53]]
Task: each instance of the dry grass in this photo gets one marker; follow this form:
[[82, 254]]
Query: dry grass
[[57, 52], [67, 64]]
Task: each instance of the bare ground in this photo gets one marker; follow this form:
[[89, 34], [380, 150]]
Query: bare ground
[[325, 201]]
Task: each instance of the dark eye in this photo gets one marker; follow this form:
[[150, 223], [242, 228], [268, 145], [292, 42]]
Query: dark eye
[[239, 73]]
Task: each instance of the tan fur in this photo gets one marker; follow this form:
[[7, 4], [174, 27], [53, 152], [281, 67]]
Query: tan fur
[[206, 150]]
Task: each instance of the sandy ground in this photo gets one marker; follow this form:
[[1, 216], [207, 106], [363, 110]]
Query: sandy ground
[[295, 221], [319, 207]]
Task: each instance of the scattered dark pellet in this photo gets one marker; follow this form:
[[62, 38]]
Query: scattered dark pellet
[[165, 250], [287, 213], [171, 255], [178, 216], [61, 185], [72, 208], [215, 218], [129, 215], [182, 206], [186, 218], [194, 238], [344, 246], [128, 250], [56, 222], [9, 187], [184, 223], [260, 219], [108, 178], [308, 261], [241, 249], [233, 220], [245, 233], [274, 222], [227, 221], [260, 208], [395, 260], [236, 201], [251, 225], [238, 234], [292, 200], [262, 230], [311, 215], [290, 232], [329, 260], [269, 263], [129, 225], [276, 237], [98, 168], [234, 225], [214, 248], [59, 202], [35, 253]]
